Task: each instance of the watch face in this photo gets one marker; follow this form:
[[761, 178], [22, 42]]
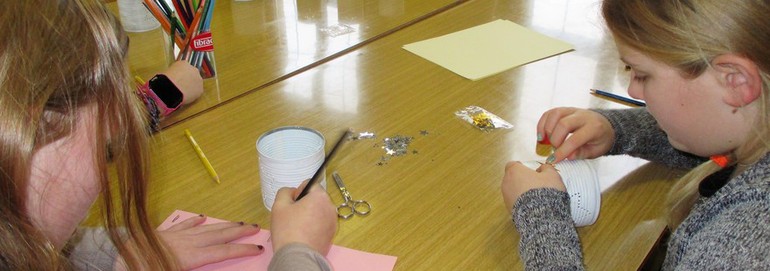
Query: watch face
[[166, 91]]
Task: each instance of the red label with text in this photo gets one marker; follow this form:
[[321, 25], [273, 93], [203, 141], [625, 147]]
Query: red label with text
[[203, 42]]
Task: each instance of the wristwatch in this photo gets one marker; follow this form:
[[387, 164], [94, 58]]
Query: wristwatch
[[166, 95]]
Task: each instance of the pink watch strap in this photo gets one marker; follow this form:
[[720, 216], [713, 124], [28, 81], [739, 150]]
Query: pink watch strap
[[164, 110]]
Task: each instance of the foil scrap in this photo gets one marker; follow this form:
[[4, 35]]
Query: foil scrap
[[482, 119]]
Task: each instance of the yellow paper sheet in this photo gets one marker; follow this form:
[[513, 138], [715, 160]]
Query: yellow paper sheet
[[488, 49]]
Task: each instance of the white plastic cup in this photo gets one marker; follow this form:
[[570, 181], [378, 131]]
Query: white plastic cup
[[582, 182], [287, 157], [135, 17]]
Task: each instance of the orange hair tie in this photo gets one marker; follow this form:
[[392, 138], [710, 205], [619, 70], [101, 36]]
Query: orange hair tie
[[720, 160]]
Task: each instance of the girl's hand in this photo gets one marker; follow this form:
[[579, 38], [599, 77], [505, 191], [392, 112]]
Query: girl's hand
[[311, 220], [195, 245], [519, 179], [576, 133]]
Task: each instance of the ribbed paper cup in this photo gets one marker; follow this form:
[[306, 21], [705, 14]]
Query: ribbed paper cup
[[287, 157], [582, 182], [135, 17]]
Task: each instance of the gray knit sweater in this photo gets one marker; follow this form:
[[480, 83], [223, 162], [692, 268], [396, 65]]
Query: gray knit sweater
[[728, 231]]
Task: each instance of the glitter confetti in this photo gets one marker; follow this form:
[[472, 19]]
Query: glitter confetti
[[361, 135], [396, 145], [482, 118]]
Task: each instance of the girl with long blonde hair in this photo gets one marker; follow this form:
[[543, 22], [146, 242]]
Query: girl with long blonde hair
[[703, 68], [69, 115]]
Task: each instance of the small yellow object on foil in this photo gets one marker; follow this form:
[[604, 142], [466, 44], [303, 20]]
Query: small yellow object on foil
[[482, 121], [482, 118]]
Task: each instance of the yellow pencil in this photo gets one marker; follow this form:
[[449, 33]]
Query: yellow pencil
[[139, 80], [202, 156]]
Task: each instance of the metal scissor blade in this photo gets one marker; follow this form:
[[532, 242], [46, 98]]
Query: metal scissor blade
[[338, 180]]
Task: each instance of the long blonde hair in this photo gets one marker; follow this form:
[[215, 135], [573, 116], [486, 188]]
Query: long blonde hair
[[55, 58], [688, 35]]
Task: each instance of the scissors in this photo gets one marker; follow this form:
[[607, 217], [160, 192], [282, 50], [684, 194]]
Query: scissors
[[350, 207]]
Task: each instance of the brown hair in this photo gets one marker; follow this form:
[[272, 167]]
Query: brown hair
[[57, 57], [688, 35]]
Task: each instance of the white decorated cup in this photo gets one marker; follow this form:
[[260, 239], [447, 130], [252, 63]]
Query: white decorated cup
[[582, 182], [288, 156]]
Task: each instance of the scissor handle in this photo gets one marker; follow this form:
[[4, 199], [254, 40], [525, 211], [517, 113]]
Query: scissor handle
[[361, 207], [345, 210]]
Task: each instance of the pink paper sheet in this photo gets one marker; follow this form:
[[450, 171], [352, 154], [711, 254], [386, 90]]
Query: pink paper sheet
[[341, 258]]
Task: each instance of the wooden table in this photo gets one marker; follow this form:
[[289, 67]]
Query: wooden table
[[439, 207], [258, 43]]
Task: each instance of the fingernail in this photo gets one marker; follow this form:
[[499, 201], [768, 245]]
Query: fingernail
[[255, 225], [551, 158], [241, 223], [260, 247], [543, 139], [201, 215], [539, 137]]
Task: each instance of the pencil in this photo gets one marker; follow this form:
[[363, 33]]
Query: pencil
[[139, 80], [202, 156], [617, 98], [159, 15]]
